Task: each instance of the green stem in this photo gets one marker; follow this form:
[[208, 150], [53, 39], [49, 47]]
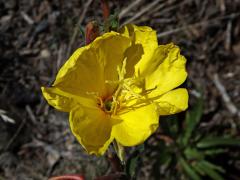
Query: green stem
[[119, 149]]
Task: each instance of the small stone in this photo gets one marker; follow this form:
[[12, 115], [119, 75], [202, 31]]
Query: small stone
[[45, 53]]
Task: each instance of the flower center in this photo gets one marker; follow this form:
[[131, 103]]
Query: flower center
[[108, 105], [128, 89]]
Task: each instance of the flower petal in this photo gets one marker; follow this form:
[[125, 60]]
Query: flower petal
[[110, 49], [165, 71], [137, 125], [81, 73], [92, 127], [173, 102], [145, 40], [64, 101], [88, 68]]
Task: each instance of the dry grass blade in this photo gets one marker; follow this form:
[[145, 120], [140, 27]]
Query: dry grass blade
[[16, 134], [141, 12], [207, 22], [75, 32], [27, 18], [5, 117], [229, 104], [128, 8]]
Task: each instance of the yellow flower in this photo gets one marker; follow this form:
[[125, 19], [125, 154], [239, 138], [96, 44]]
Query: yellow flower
[[118, 86]]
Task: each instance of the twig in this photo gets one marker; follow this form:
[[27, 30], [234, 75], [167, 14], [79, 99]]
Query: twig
[[140, 13], [31, 114], [60, 56], [172, 31], [75, 32], [168, 140], [27, 18], [128, 8], [229, 104], [16, 134], [5, 117], [172, 6], [115, 162], [228, 41]]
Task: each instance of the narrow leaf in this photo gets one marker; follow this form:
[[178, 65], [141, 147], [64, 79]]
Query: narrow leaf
[[218, 141], [188, 169], [213, 166], [210, 171], [192, 119], [212, 152], [198, 168]]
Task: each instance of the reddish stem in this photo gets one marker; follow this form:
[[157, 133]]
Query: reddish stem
[[115, 163], [105, 9]]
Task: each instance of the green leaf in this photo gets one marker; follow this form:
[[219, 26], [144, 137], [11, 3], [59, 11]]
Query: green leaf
[[213, 166], [193, 154], [198, 168], [218, 141], [188, 169], [192, 119], [209, 170], [82, 31], [211, 152], [112, 23]]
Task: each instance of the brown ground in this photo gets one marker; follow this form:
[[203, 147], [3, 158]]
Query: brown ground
[[36, 38]]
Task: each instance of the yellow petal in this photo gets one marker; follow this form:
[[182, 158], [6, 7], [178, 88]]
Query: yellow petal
[[137, 125], [165, 71], [87, 69], [81, 74], [173, 102], [64, 101], [58, 100], [133, 54], [110, 49], [92, 128], [145, 40]]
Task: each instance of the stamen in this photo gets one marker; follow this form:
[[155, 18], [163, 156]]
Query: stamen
[[128, 89], [95, 94], [100, 102]]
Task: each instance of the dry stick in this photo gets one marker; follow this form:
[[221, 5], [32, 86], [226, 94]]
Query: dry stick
[[230, 106], [140, 13], [75, 32], [228, 35], [170, 7], [128, 8], [16, 134], [27, 18], [145, 17], [166, 33], [160, 9], [31, 114]]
